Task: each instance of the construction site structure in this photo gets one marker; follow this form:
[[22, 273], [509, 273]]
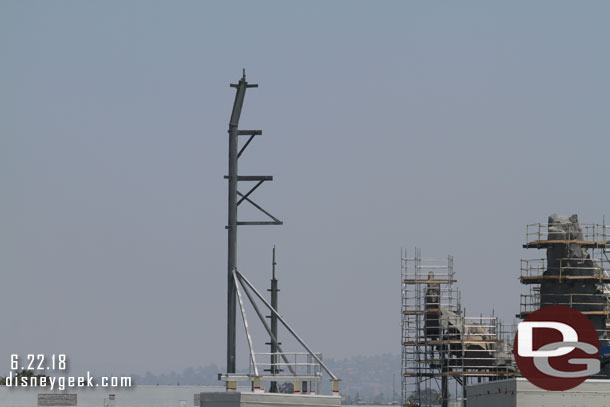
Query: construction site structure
[[303, 368], [443, 350], [573, 274]]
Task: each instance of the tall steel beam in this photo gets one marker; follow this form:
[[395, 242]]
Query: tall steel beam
[[232, 222], [274, 290], [233, 178]]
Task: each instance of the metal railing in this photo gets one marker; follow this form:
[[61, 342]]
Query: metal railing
[[568, 267], [299, 364], [586, 303], [529, 302], [558, 231], [533, 267]]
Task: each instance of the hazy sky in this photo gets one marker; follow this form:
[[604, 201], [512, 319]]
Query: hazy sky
[[442, 125]]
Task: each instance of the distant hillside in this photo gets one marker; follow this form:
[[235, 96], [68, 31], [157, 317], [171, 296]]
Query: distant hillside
[[201, 376], [368, 378]]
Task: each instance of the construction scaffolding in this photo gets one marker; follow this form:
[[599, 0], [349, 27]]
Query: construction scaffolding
[[533, 275], [573, 274], [442, 349]]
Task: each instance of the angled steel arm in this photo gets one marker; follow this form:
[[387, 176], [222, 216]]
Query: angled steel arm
[[276, 221], [250, 191], [281, 319], [267, 328], [251, 133], [243, 317], [241, 151]]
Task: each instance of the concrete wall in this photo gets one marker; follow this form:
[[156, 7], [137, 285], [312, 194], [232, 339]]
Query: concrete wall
[[501, 393], [137, 396], [521, 393], [238, 399]]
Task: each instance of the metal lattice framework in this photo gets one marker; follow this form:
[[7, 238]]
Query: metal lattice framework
[[442, 349]]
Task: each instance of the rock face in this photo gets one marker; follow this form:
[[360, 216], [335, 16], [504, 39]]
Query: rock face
[[481, 350], [567, 261], [570, 260]]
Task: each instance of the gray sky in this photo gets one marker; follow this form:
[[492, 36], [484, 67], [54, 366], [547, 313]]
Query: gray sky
[[386, 125]]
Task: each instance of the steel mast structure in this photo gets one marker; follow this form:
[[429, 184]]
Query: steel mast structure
[[299, 372], [274, 359], [234, 178]]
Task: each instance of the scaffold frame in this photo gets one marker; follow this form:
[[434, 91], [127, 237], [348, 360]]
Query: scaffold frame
[[593, 238], [442, 349]]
